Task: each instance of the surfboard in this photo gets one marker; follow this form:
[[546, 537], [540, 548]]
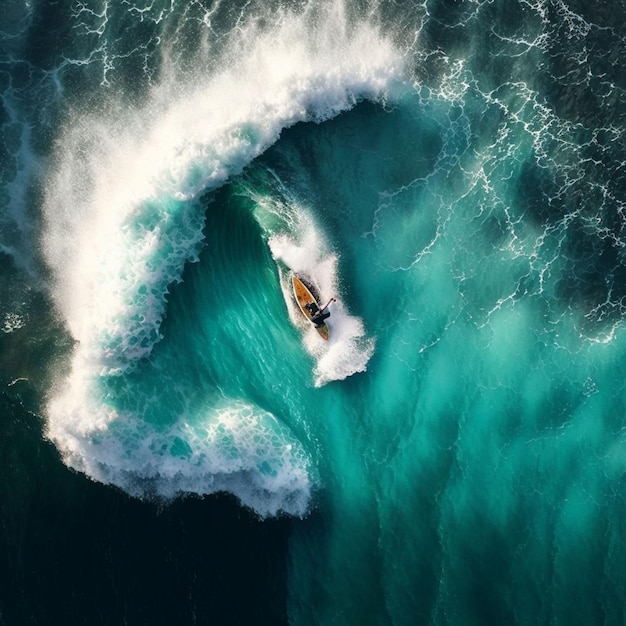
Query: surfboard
[[304, 297]]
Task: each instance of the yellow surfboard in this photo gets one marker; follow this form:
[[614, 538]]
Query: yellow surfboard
[[304, 297]]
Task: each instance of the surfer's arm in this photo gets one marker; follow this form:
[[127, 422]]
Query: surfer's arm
[[327, 304]]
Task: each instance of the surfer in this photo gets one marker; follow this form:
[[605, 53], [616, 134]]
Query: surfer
[[317, 315]]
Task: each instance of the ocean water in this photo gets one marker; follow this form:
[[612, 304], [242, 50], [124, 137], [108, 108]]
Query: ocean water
[[180, 446]]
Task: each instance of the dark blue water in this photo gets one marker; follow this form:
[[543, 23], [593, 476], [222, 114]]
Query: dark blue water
[[180, 446]]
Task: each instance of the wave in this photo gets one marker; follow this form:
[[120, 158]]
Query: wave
[[233, 446], [123, 204], [124, 212]]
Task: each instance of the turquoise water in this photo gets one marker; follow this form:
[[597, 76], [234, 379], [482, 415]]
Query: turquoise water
[[451, 173]]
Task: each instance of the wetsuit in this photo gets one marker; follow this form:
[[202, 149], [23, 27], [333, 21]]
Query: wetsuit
[[317, 316], [318, 319]]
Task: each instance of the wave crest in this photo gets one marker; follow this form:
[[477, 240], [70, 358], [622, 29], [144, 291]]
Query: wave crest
[[124, 215]]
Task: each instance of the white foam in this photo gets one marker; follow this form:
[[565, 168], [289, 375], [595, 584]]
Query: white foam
[[12, 322], [236, 448]]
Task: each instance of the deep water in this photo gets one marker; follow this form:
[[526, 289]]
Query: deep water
[[75, 552], [180, 446]]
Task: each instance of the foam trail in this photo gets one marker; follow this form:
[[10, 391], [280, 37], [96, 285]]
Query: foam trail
[[305, 252], [124, 216]]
